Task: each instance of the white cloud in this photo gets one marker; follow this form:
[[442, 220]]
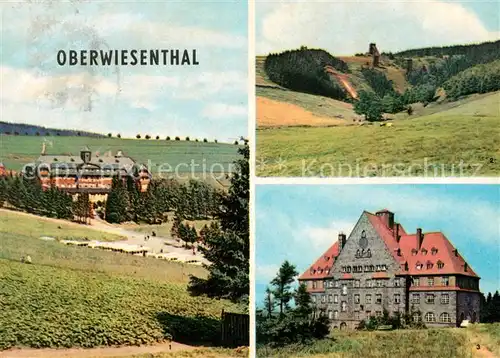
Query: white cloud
[[223, 110], [265, 273], [346, 27], [320, 238]]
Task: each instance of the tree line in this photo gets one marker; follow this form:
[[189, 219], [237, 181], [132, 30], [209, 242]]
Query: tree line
[[278, 323], [490, 308], [303, 70], [478, 79]]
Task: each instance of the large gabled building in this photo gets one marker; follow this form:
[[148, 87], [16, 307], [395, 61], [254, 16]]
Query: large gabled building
[[89, 172], [380, 267]]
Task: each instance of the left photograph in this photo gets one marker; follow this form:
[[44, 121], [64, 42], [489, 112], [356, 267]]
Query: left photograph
[[124, 179]]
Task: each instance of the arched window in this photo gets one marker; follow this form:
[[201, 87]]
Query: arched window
[[445, 317], [430, 317], [343, 326], [363, 233]]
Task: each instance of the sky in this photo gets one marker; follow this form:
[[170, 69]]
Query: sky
[[299, 223], [347, 27], [208, 100]]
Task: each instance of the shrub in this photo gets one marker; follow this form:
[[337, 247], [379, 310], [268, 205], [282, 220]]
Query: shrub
[[236, 142], [168, 138], [177, 138], [147, 136], [215, 141], [157, 137], [118, 135], [110, 135], [187, 139], [205, 140], [138, 136]]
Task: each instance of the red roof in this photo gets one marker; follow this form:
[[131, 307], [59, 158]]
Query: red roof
[[444, 253], [321, 268], [380, 275]]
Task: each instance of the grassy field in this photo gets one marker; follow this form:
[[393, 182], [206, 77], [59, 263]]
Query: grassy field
[[17, 223], [432, 145], [16, 151], [435, 343], [80, 297]]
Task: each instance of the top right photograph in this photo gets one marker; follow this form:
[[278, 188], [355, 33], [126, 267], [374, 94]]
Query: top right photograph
[[378, 89]]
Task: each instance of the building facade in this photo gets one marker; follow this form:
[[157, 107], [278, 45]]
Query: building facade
[[88, 173], [380, 267]]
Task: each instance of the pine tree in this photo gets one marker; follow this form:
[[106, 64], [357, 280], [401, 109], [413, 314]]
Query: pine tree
[[269, 303], [117, 202], [369, 105], [282, 285], [227, 241]]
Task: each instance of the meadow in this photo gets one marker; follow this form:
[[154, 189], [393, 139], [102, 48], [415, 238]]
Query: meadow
[[435, 343], [159, 154], [459, 141], [80, 297]]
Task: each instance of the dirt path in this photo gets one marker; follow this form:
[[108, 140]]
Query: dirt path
[[95, 352], [132, 237], [483, 352]]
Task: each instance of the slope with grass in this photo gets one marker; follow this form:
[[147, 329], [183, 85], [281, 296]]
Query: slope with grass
[[461, 141], [435, 343], [162, 156], [80, 297]]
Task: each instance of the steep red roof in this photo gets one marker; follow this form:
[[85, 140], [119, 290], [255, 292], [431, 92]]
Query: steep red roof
[[322, 266], [444, 253]]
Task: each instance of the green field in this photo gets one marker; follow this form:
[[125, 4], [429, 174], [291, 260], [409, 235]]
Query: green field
[[435, 343], [461, 141], [164, 230], [81, 297], [16, 151]]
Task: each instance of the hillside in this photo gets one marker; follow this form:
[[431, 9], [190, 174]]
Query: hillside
[[80, 297], [163, 157], [34, 130], [291, 76], [455, 140]]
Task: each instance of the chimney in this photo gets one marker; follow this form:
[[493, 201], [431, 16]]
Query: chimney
[[465, 266], [420, 238], [387, 217], [342, 240], [455, 252], [396, 233]]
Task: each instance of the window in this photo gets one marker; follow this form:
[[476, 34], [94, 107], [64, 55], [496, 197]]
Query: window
[[314, 284], [434, 251], [383, 267], [356, 283], [372, 268], [424, 252], [429, 265], [323, 298], [344, 289], [430, 281], [429, 317], [445, 281], [368, 313], [330, 298], [418, 266], [368, 298], [413, 252], [313, 297], [337, 283], [343, 306], [368, 283], [330, 315], [378, 313], [356, 298], [397, 298], [335, 298], [356, 315], [416, 281], [397, 282], [445, 298], [380, 283], [445, 317], [378, 267], [335, 314], [416, 317], [327, 271], [440, 265], [378, 298], [429, 298], [415, 298], [348, 269], [367, 268]]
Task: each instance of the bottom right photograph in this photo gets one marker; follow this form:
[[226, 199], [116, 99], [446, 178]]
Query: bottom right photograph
[[377, 270]]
